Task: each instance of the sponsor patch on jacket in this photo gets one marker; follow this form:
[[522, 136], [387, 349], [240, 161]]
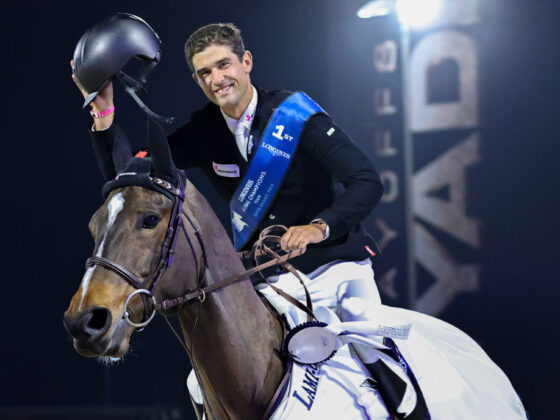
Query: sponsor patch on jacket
[[230, 170]]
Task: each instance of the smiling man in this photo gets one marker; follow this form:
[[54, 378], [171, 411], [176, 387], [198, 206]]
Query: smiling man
[[224, 78], [276, 156]]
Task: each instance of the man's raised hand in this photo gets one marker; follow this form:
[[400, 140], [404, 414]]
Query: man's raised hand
[[102, 102]]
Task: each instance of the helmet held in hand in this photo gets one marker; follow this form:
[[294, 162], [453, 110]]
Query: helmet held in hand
[[104, 49]]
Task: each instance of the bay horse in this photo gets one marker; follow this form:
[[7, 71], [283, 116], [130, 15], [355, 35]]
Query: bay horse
[[159, 246], [232, 337]]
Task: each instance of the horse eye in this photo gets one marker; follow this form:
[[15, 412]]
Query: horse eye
[[150, 221]]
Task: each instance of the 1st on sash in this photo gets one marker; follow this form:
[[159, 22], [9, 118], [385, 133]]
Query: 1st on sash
[[269, 166]]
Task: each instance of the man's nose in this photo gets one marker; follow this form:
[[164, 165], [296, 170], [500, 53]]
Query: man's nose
[[217, 76]]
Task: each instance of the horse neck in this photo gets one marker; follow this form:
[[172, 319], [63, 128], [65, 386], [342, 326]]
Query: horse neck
[[232, 335]]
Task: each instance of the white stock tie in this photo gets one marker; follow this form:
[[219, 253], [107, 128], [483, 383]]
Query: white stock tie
[[241, 139]]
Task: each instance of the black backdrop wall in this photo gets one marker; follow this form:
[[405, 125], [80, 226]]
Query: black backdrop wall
[[52, 185]]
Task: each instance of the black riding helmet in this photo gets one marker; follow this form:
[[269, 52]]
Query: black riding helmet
[[104, 49]]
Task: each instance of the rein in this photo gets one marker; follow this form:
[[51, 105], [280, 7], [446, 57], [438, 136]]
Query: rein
[[201, 293], [259, 248], [147, 286]]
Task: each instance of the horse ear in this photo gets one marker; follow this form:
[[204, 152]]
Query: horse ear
[[162, 163], [112, 157], [121, 152]]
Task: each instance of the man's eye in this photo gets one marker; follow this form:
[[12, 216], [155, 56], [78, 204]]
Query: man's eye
[[150, 221]]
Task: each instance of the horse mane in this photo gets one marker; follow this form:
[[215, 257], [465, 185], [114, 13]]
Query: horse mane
[[209, 223], [256, 375]]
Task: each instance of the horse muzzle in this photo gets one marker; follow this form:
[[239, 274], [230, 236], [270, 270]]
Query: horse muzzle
[[88, 330]]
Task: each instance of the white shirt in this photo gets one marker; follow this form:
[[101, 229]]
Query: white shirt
[[242, 127]]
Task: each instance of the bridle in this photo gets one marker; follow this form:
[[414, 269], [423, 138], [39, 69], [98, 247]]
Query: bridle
[[146, 287]]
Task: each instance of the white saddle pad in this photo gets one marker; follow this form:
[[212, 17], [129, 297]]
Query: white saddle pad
[[457, 378]]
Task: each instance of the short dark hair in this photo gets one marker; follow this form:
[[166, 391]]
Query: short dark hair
[[226, 34]]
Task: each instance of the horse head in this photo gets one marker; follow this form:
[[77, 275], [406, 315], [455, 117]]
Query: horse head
[[135, 231]]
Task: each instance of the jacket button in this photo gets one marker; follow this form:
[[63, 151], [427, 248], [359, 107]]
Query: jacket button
[[271, 216]]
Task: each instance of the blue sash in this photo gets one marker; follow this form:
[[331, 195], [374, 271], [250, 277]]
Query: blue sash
[[268, 168]]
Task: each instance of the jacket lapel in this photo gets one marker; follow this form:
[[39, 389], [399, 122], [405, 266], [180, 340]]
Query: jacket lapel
[[265, 107]]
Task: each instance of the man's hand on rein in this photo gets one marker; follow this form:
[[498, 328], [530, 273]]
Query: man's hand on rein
[[301, 236]]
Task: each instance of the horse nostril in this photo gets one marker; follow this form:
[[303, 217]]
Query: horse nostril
[[89, 325], [96, 321]]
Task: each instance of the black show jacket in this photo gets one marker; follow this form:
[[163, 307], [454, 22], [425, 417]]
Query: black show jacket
[[325, 155]]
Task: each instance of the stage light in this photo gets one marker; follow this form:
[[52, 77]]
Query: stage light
[[417, 13], [376, 8], [414, 14]]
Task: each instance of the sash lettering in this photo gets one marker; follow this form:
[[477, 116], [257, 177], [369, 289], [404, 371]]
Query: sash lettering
[[265, 175]]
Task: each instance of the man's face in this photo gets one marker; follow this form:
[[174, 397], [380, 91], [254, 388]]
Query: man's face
[[224, 78]]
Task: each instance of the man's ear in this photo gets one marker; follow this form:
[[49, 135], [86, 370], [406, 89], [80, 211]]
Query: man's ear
[[195, 78], [247, 61]]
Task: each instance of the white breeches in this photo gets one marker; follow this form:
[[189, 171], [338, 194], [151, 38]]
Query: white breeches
[[347, 287]]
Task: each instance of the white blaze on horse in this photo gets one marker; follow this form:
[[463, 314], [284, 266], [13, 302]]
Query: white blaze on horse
[[158, 244]]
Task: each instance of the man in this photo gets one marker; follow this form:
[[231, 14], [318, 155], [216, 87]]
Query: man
[[222, 139]]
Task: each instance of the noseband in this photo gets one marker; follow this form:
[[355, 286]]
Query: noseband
[[147, 286]]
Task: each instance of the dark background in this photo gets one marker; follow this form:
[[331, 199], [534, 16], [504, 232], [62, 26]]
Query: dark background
[[53, 184]]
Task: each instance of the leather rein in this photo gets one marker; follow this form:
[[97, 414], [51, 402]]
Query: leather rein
[[146, 287]]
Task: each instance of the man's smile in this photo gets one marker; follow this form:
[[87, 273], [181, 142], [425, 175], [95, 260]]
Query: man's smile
[[225, 89]]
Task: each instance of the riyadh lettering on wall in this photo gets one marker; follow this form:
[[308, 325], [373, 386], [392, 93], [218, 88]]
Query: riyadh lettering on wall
[[426, 141]]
